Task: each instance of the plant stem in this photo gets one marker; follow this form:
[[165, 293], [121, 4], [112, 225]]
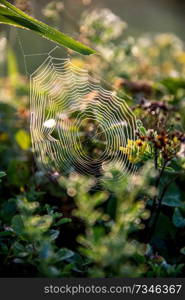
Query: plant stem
[[160, 204], [156, 186], [155, 157], [151, 224]]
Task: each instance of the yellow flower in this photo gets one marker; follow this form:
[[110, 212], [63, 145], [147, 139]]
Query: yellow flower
[[175, 140], [135, 150]]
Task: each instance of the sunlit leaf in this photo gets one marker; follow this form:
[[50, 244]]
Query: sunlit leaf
[[23, 139]]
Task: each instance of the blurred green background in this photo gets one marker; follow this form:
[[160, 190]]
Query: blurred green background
[[57, 226], [143, 16]]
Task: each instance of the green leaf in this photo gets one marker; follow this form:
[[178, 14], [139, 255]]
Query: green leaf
[[182, 251], [25, 206], [173, 84], [64, 254], [178, 219], [2, 174], [23, 139], [99, 197], [141, 127], [63, 221], [172, 196], [54, 234], [13, 16], [18, 248], [8, 210], [6, 233], [38, 224], [46, 251], [18, 224]]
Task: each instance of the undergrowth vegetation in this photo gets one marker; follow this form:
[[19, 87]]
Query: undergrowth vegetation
[[56, 226]]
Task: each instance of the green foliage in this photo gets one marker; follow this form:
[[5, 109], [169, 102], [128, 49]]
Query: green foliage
[[106, 241], [57, 226], [178, 219], [18, 173], [32, 234], [2, 174]]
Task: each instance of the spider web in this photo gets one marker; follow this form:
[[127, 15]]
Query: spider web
[[76, 125]]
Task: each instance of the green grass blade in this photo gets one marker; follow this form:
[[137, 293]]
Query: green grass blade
[[13, 16]]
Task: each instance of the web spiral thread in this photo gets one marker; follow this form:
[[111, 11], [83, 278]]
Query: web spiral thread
[[76, 125]]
